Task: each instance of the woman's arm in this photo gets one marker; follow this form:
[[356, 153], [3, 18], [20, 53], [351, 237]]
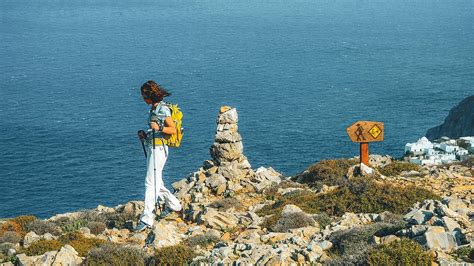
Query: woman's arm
[[169, 128]]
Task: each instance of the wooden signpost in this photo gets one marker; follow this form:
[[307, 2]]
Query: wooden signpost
[[365, 132]]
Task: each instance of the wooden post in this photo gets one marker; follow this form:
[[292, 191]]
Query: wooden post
[[364, 153]]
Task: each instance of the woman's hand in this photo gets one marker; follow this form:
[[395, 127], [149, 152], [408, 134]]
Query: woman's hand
[[154, 126]]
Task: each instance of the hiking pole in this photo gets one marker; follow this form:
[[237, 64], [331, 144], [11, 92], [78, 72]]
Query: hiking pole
[[142, 137], [154, 169]]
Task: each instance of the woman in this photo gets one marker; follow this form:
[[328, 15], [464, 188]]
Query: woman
[[160, 123]]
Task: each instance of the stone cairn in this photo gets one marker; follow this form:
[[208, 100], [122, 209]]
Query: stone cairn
[[227, 174]]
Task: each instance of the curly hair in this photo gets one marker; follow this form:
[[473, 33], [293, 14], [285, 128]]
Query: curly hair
[[155, 92]]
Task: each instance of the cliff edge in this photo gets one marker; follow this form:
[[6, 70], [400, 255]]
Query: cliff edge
[[458, 123]]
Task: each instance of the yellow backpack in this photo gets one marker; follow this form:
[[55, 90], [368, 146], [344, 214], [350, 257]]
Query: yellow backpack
[[177, 116]]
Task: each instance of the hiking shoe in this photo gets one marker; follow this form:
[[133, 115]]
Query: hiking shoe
[[141, 226], [164, 213]]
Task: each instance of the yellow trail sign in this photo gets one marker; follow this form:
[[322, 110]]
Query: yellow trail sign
[[366, 131]]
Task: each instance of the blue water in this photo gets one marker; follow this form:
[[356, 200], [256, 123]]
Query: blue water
[[299, 72]]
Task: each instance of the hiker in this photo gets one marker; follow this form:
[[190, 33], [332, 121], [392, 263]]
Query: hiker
[[160, 123]]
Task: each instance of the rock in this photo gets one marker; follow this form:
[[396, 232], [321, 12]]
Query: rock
[[458, 123], [227, 137], [48, 258], [105, 209], [228, 117], [322, 244], [179, 185], [388, 239], [85, 230], [417, 216], [437, 238], [8, 263], [29, 238], [450, 224], [24, 260], [67, 255], [289, 209], [132, 209], [226, 151], [366, 170], [215, 180], [274, 237], [166, 234], [218, 220], [11, 252]]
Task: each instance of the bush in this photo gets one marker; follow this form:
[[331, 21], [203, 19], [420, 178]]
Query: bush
[[361, 195], [10, 237], [322, 219], [42, 246], [403, 252], [24, 221], [326, 172], [469, 162], [173, 255], [292, 221], [112, 254], [96, 227], [72, 226], [80, 243], [202, 240], [41, 227], [11, 226], [354, 241], [397, 167], [228, 203], [465, 253]]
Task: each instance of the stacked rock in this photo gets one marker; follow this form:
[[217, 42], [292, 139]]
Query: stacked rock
[[229, 165]]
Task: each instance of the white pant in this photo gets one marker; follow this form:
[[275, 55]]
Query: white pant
[[162, 192]]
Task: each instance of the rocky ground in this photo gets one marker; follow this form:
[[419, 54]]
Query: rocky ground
[[228, 217]]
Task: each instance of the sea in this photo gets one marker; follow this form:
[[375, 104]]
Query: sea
[[299, 73]]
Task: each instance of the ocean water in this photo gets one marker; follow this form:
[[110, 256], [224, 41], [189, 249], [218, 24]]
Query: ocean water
[[299, 72]]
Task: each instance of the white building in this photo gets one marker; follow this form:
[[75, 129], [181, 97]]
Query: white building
[[419, 147], [449, 148]]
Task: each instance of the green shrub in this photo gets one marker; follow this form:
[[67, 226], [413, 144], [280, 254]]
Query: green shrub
[[397, 167], [96, 227], [403, 252], [173, 255], [354, 241], [113, 254], [10, 237], [292, 221], [74, 225], [202, 240], [227, 203], [271, 221], [42, 246], [80, 243], [322, 219], [4, 247], [326, 172], [24, 221], [469, 162], [360, 195], [41, 227], [465, 253]]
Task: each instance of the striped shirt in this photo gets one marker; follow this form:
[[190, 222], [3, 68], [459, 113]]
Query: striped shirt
[[158, 115]]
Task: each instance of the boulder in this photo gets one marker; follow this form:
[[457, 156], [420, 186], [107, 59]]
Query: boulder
[[417, 216], [437, 238], [218, 220], [166, 234], [29, 238], [67, 255]]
